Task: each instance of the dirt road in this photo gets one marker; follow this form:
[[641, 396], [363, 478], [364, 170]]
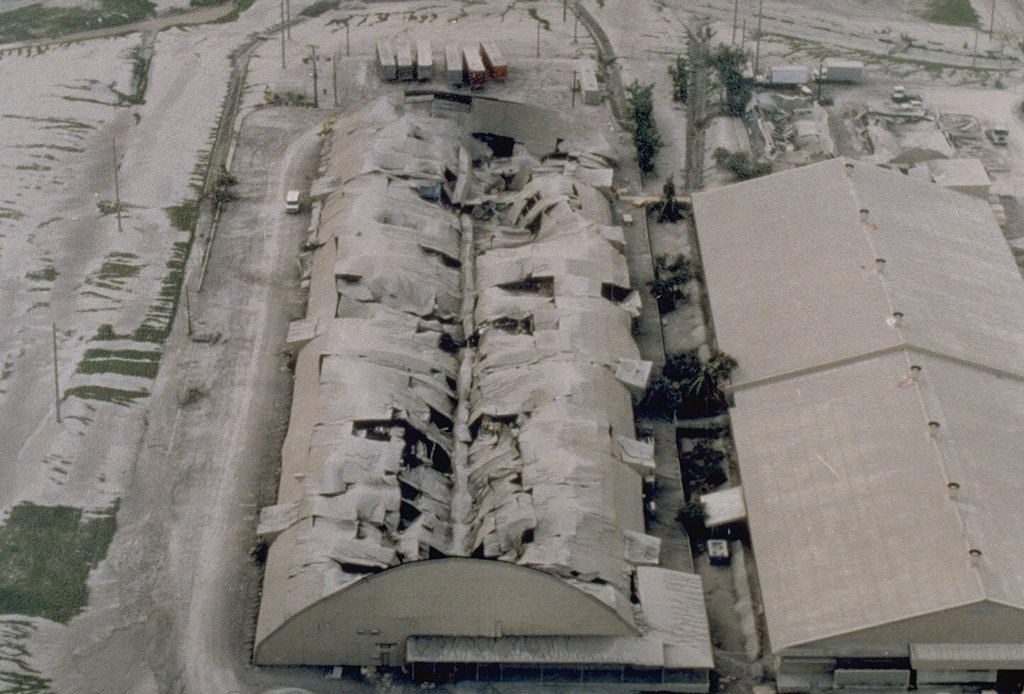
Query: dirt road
[[181, 582]]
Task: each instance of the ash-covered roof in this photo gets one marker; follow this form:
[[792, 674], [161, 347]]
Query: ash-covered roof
[[878, 323], [463, 388]]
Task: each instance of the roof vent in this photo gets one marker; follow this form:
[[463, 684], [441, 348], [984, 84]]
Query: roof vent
[[975, 555], [880, 264], [934, 426], [953, 489], [915, 368], [864, 214]]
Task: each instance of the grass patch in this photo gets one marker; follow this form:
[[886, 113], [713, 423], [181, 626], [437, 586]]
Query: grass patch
[[106, 207], [116, 396], [59, 148], [124, 362], [117, 267], [46, 554], [160, 316], [38, 21], [537, 18], [16, 675], [952, 12], [140, 80], [44, 274], [319, 7], [240, 7], [184, 216]]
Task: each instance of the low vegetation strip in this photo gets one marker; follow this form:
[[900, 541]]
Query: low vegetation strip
[[952, 12], [46, 554], [39, 21], [17, 676], [124, 362]]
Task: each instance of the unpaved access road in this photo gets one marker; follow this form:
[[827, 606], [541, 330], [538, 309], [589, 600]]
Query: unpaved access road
[[173, 603]]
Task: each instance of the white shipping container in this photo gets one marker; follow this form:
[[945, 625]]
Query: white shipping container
[[386, 60], [424, 60], [837, 70], [790, 75], [405, 70], [453, 64]]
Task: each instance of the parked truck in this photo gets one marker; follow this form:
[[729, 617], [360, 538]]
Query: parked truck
[[900, 95], [784, 76], [845, 71]]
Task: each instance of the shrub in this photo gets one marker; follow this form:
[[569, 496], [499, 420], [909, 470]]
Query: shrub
[[692, 516], [680, 74], [669, 209], [740, 164], [688, 387], [645, 132], [728, 63], [670, 278]]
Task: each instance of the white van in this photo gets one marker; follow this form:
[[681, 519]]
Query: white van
[[293, 202]]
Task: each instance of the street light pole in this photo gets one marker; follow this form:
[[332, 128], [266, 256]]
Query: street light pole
[[735, 15], [316, 90], [757, 51]]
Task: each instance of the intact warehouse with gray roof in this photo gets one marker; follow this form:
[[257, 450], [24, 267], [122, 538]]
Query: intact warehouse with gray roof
[[878, 323], [461, 487]]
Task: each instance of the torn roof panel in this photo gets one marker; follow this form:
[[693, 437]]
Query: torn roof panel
[[371, 454]]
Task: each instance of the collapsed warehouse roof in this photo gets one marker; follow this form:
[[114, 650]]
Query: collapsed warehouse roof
[[461, 458]]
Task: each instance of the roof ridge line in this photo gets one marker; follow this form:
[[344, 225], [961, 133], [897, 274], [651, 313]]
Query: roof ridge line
[[853, 359]]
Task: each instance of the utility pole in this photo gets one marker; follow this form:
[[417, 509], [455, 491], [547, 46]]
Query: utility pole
[[347, 54], [575, 20], [735, 15], [696, 106], [288, 11], [538, 38], [56, 383], [188, 311], [974, 56], [573, 89], [334, 77], [282, 35], [564, 3], [999, 73], [992, 20], [821, 66], [757, 52], [743, 35], [316, 97], [117, 186]]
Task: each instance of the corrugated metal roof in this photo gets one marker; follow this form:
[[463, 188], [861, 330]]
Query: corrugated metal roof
[[845, 481], [996, 656], [723, 507], [517, 449]]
